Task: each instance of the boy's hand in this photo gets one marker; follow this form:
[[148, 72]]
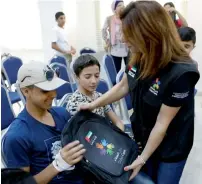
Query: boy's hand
[[73, 152]]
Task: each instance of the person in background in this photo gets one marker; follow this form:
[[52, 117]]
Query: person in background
[[188, 38], [160, 78], [87, 71], [112, 35], [177, 17], [59, 41], [33, 140]]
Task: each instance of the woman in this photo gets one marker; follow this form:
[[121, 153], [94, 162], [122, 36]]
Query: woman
[[112, 35], [170, 8], [161, 79]]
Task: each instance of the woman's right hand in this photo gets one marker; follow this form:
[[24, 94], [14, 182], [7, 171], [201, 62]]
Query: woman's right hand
[[88, 106]]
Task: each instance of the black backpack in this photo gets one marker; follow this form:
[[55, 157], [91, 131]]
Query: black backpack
[[109, 149], [16, 176]]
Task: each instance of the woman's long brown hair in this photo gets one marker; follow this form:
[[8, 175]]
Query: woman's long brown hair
[[149, 28]]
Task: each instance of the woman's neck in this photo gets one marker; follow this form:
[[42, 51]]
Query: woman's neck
[[117, 15]]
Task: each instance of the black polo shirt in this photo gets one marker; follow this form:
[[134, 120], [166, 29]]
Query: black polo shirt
[[174, 87]]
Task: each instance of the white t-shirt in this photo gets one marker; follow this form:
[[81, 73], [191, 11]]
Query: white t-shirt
[[60, 37]]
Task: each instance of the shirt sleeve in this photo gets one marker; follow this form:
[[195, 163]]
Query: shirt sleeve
[[181, 90], [107, 108], [179, 23], [16, 151], [71, 107], [73, 103]]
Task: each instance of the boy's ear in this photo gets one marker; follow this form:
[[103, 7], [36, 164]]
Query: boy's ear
[[25, 91]]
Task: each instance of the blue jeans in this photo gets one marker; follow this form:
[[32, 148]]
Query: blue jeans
[[141, 178], [165, 173], [170, 172]]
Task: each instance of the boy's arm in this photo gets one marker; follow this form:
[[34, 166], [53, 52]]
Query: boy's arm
[[115, 119], [55, 47], [184, 22], [71, 154], [17, 151]]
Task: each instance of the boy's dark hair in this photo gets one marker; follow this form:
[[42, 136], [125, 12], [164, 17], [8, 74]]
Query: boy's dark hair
[[84, 61], [187, 34], [170, 4], [58, 14]]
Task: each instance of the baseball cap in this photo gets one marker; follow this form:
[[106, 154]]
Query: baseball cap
[[40, 75]]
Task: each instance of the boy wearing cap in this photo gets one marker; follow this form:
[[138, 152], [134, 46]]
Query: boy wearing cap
[[32, 141]]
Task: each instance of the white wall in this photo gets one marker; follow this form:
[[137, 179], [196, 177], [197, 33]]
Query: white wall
[[194, 18], [85, 28], [47, 10]]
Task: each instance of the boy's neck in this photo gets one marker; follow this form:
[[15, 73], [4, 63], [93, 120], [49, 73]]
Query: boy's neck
[[61, 26], [35, 111], [85, 92]]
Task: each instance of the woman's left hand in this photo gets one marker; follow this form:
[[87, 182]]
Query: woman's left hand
[[135, 166]]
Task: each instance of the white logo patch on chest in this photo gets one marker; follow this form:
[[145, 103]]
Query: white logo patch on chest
[[56, 146]]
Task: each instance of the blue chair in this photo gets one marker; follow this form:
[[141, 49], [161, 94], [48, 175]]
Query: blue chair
[[87, 50], [63, 90], [10, 67], [64, 100], [102, 86], [126, 103], [67, 87], [110, 68], [7, 117], [61, 62], [58, 59], [63, 71], [127, 97], [7, 114]]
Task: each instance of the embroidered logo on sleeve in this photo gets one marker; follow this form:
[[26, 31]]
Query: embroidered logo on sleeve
[[180, 95], [132, 71], [155, 86]]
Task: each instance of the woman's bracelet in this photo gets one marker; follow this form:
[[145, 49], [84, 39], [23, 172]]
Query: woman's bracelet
[[143, 161]]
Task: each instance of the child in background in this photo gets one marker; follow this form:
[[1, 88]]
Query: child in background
[[188, 38], [87, 71]]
